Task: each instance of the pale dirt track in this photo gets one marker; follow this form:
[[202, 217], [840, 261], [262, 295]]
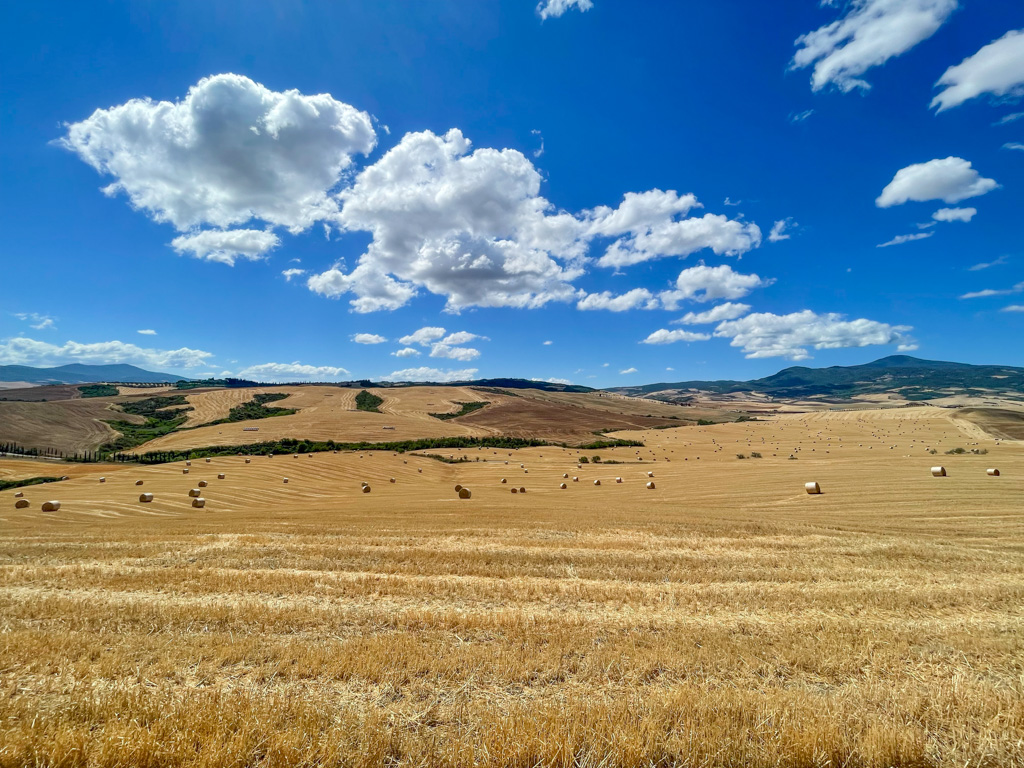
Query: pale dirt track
[[724, 618]]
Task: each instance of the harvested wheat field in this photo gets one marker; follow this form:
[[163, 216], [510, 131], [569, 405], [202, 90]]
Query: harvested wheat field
[[723, 618]]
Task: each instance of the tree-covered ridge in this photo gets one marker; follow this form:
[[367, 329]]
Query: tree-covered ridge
[[367, 401], [161, 415]]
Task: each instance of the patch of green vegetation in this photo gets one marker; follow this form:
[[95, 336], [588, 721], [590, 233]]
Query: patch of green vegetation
[[204, 383], [704, 422], [159, 421], [445, 459], [745, 417], [291, 445], [367, 401], [740, 456], [98, 390], [466, 408], [598, 445], [975, 451], [256, 409], [755, 455], [6, 485]]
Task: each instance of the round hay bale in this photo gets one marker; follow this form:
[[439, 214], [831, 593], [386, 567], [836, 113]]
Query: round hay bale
[[19, 495], [938, 471], [21, 504], [565, 475], [597, 482], [203, 483], [366, 489], [563, 486], [420, 470], [184, 471], [392, 479], [363, 484], [285, 479], [992, 472], [208, 461], [618, 479], [458, 488], [248, 461], [65, 477], [650, 474], [145, 497], [515, 490], [650, 485], [812, 487], [465, 493], [199, 502], [503, 481], [195, 493], [221, 476], [50, 506], [575, 479], [188, 463], [138, 482], [522, 490], [103, 479]]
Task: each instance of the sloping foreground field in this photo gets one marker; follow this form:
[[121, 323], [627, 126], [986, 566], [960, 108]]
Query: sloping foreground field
[[723, 618]]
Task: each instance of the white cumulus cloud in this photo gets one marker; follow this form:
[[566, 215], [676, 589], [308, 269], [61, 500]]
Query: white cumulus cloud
[[407, 352], [431, 374], [290, 273], [554, 8], [664, 336], [869, 34], [230, 151], [638, 297], [703, 283], [955, 214], [998, 69], [764, 334], [628, 370], [462, 354], [24, 351], [292, 372], [225, 246], [423, 336], [951, 180], [726, 311], [368, 338]]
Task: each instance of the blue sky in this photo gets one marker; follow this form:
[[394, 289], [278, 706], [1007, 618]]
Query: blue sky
[[592, 191]]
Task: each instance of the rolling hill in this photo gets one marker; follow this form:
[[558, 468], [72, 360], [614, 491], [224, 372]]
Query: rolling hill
[[913, 378], [77, 373]]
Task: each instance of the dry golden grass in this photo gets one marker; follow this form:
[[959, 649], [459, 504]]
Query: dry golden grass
[[67, 425], [725, 618]]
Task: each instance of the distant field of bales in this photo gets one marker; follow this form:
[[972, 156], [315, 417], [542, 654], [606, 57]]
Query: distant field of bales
[[725, 617]]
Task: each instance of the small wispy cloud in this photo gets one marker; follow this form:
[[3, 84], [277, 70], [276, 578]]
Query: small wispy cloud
[[628, 370], [1013, 308], [37, 321], [290, 273], [1012, 117], [1014, 145], [799, 117], [1018, 288], [778, 230], [540, 150], [987, 264], [900, 239], [147, 332]]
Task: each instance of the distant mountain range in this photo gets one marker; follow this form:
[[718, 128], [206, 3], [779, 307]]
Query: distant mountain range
[[77, 373], [913, 378]]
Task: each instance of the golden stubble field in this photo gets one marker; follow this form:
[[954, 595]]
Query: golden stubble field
[[724, 617]]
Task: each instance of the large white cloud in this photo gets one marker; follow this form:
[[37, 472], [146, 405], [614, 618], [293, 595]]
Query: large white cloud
[[998, 69], [651, 225], [462, 354], [950, 179], [467, 225], [869, 34], [726, 311], [703, 283], [292, 372], [23, 351], [665, 336], [555, 8], [230, 151], [764, 334], [225, 246], [472, 226], [431, 374]]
